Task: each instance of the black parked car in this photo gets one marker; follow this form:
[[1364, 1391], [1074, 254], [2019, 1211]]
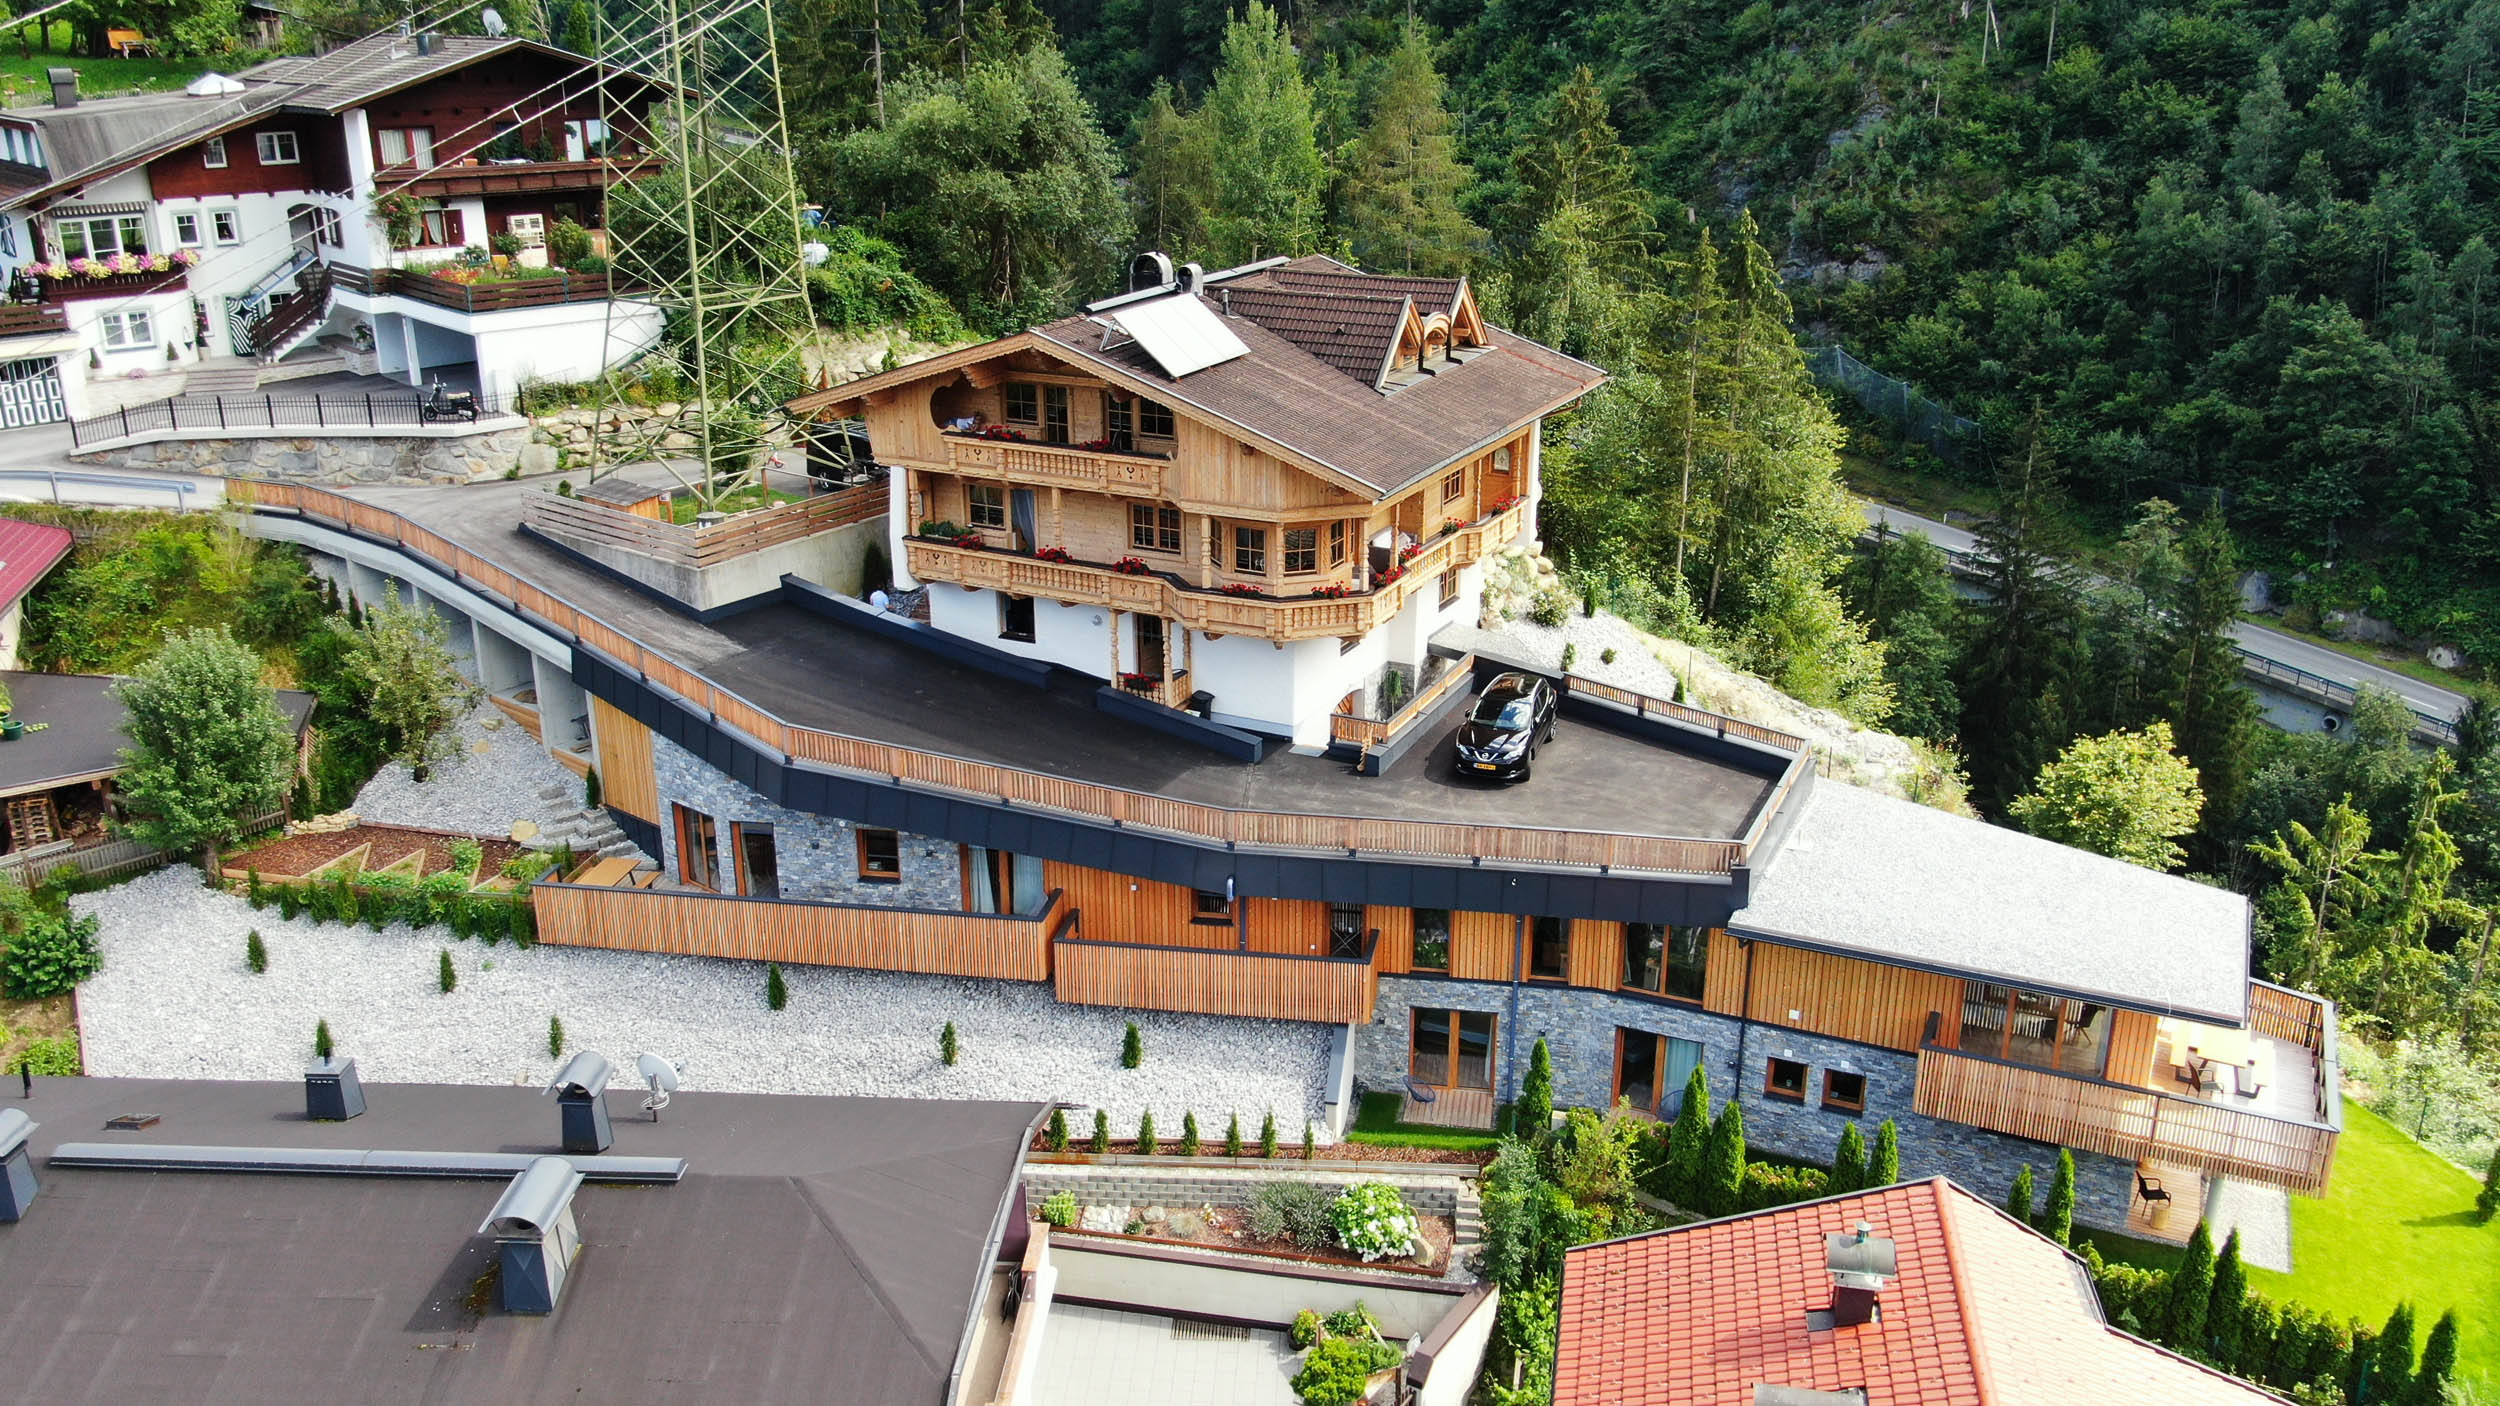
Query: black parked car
[[1513, 713]]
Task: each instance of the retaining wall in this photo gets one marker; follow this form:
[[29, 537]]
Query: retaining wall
[[464, 456], [1426, 1194]]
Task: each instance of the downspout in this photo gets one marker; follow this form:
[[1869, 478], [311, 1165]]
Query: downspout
[[1744, 1021], [989, 1253], [1510, 1031]]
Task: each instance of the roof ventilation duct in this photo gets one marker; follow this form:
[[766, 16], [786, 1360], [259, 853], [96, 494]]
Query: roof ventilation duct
[[578, 1089], [1862, 1266], [64, 86], [17, 1171], [536, 1238], [1152, 269], [1193, 279], [427, 43], [332, 1093]]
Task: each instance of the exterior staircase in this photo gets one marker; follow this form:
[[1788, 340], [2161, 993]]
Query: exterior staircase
[[1467, 1225], [300, 318], [590, 831], [221, 376]]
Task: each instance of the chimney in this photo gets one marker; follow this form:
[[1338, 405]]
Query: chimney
[[332, 1093], [64, 86], [578, 1089], [1152, 269], [17, 1171], [536, 1239], [426, 43], [1862, 1266]]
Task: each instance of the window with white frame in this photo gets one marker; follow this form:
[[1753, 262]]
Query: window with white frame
[[125, 330], [403, 146], [8, 236], [436, 225], [326, 228], [226, 226], [187, 229], [101, 236], [278, 149], [21, 147], [213, 153]]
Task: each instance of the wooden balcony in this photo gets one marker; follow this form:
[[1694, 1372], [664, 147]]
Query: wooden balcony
[[1057, 465], [1009, 947], [1212, 610], [32, 320], [1276, 986], [487, 295], [522, 177], [2132, 1123]]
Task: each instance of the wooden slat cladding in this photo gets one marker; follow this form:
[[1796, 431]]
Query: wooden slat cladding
[[1214, 983], [1596, 954], [1291, 927], [1396, 954], [1838, 996], [1117, 908], [2133, 1124], [626, 780], [1484, 946], [821, 934], [2132, 1038]]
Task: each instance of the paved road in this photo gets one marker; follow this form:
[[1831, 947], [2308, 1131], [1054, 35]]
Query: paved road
[[2274, 645]]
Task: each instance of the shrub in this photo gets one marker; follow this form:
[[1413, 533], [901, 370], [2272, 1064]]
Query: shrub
[[466, 855], [1189, 1135], [555, 1037], [253, 893], [1606, 656], [290, 902], [1146, 1133], [1058, 1137], [56, 1058], [1722, 1176], [322, 1044], [1550, 608], [527, 865], [1232, 1137], [255, 952], [1102, 1131], [1849, 1160], [1132, 1048], [1533, 1113], [1373, 1221], [2487, 1201], [1310, 1143], [2191, 1292], [1570, 655], [1768, 1184], [1267, 1134], [1060, 1210], [1338, 1369], [946, 1044], [590, 778], [1883, 1165], [1355, 1322], [2057, 1216], [1305, 1330], [776, 990], [2018, 1200], [445, 976], [1299, 1211], [54, 953]]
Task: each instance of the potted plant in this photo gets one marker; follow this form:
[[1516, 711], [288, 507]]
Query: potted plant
[[1131, 566], [1242, 588], [10, 728], [1055, 554]]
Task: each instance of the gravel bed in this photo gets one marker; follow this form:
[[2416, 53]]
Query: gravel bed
[[174, 1000], [2263, 1216], [1635, 667], [493, 782]]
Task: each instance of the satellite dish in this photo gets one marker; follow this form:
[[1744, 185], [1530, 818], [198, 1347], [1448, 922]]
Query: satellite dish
[[493, 23], [662, 1076]]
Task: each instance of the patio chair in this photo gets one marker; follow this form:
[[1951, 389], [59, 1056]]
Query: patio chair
[[2150, 1189], [2247, 1080], [2208, 1077], [1420, 1091], [2187, 1072]]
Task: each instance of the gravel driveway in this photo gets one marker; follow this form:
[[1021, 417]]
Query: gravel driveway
[[174, 1000]]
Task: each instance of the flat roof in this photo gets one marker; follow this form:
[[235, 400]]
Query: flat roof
[[1899, 882], [80, 736], [818, 1249], [815, 672]]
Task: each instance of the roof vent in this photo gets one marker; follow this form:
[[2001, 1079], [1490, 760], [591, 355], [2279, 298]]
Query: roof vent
[[1152, 269], [578, 1089], [1862, 1266], [1767, 1395], [17, 1171], [536, 1239], [213, 85], [64, 86], [1193, 279], [427, 43], [332, 1093]]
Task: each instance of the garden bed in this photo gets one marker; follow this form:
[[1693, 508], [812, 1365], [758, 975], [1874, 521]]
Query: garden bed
[[369, 849], [1227, 1229], [1288, 1154]]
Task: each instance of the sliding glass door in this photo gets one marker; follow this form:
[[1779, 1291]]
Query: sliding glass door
[[1451, 1049]]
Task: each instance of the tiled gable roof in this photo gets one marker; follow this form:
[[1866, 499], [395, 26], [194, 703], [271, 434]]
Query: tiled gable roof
[[1352, 332]]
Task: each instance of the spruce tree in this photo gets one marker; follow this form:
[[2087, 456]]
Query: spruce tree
[[1232, 1137], [2017, 673], [2057, 1216], [1146, 1133], [2191, 1295], [2226, 1311], [1267, 1135], [2018, 1200], [2439, 1363], [256, 957], [1132, 1048], [1580, 222], [1102, 1132], [1723, 1163], [2211, 709], [1688, 1142], [1058, 1130], [2487, 1200], [2391, 1360], [446, 977], [1263, 144], [321, 1038], [1883, 1165], [776, 990], [1401, 192], [1848, 1161], [1532, 1116], [1189, 1134]]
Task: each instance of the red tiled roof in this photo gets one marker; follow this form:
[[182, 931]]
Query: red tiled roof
[[1984, 1310], [27, 551]]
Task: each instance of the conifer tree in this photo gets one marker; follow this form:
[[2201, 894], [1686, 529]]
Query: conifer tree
[[2391, 1359], [446, 977], [322, 1044], [1189, 1134], [1102, 1132], [1532, 1116], [2018, 669], [1058, 1140], [947, 1045], [1580, 224], [2018, 1199], [1267, 1135], [776, 990], [2487, 1200], [1723, 1162], [2211, 709], [1848, 1161], [1688, 1143], [2226, 1311], [1401, 195], [2057, 1214], [1132, 1048], [1232, 1137], [256, 957], [1171, 175], [1883, 1165], [2191, 1294], [1146, 1134], [2439, 1363], [1263, 147], [1310, 1141]]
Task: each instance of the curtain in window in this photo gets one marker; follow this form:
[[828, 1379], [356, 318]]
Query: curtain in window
[[984, 891], [1683, 1056], [1026, 881]]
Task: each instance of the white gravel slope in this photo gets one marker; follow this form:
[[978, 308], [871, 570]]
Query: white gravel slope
[[174, 1000], [494, 781]]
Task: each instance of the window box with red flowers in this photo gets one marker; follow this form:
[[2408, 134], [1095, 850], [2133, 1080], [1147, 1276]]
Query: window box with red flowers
[[1334, 590], [1449, 527], [1001, 432], [1057, 554], [1242, 588], [1132, 566], [1505, 503], [1140, 683], [1409, 552], [1387, 574]]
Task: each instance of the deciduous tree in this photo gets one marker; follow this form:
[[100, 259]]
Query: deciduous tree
[[208, 747], [1263, 149], [401, 661], [2125, 795]]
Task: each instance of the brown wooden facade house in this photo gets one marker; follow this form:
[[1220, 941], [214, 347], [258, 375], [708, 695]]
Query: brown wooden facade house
[[1673, 890]]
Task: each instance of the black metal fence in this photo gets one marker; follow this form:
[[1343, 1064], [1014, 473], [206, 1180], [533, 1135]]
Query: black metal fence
[[212, 414]]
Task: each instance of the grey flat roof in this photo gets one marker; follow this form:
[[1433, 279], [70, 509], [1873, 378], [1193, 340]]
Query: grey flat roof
[[1905, 883], [818, 1250], [81, 733]]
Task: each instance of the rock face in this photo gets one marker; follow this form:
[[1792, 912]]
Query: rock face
[[2353, 625], [335, 460], [2446, 656], [2257, 593]]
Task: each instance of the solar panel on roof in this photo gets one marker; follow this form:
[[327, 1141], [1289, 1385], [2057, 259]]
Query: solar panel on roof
[[1180, 334]]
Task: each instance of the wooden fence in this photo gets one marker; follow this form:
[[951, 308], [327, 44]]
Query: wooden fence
[[1278, 986], [1012, 948], [1373, 733], [685, 544], [1341, 834], [110, 859], [2121, 1120]]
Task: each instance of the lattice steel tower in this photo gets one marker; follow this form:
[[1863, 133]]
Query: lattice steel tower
[[712, 239]]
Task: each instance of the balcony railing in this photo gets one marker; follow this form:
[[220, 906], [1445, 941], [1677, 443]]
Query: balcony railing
[[2122, 1120], [32, 320], [693, 545], [1012, 947], [1276, 986], [1371, 734], [487, 295], [938, 773], [1057, 465], [518, 177]]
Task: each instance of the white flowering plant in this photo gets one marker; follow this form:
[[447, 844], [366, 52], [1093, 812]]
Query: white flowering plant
[[1373, 1221]]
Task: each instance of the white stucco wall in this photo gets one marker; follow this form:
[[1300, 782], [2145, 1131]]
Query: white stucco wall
[[1073, 636]]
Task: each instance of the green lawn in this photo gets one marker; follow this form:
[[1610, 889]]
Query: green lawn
[[1378, 1125], [23, 81], [683, 508]]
